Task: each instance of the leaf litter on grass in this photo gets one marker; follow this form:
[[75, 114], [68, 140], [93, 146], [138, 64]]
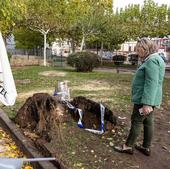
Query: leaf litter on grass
[[9, 149]]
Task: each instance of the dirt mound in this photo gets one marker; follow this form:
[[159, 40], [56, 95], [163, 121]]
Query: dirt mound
[[41, 113], [53, 74], [91, 113]]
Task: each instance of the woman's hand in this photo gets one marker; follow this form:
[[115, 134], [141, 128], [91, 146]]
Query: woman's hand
[[146, 109]]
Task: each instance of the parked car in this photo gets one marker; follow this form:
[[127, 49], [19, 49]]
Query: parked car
[[107, 55], [133, 58], [119, 59], [164, 56]]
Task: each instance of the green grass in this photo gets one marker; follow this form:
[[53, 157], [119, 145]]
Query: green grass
[[108, 87], [85, 150]]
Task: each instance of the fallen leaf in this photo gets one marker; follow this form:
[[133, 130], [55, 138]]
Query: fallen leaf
[[111, 144]]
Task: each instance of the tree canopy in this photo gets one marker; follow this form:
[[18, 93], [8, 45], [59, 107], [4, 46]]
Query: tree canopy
[[85, 21], [11, 12]]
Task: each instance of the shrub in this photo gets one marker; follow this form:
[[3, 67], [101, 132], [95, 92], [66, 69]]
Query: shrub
[[83, 61], [107, 63], [119, 59]]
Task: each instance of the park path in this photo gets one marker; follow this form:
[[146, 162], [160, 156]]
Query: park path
[[123, 70]]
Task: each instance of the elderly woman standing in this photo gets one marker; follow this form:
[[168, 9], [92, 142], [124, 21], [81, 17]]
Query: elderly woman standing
[[146, 94]]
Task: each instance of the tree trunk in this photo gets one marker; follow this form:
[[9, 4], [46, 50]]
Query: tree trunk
[[36, 51], [101, 52], [72, 46], [82, 43], [97, 47], [27, 53], [45, 46]]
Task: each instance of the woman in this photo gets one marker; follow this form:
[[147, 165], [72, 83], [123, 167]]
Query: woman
[[146, 94]]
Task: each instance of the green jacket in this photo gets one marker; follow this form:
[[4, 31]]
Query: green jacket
[[148, 80]]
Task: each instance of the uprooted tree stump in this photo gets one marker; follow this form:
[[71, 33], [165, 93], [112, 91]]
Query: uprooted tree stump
[[41, 112]]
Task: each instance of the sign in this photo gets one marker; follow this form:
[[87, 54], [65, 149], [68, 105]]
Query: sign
[[8, 91]]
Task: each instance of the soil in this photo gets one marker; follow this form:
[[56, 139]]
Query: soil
[[79, 149], [160, 157], [160, 150], [25, 81], [42, 112], [53, 74]]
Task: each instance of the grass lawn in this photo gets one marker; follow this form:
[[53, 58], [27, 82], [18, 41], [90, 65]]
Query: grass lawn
[[109, 88], [112, 89]]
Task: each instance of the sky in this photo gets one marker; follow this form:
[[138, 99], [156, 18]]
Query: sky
[[123, 3]]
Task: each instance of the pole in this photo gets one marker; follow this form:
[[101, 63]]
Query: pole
[[39, 159]]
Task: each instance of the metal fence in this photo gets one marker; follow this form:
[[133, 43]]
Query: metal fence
[[29, 54], [59, 60], [32, 52]]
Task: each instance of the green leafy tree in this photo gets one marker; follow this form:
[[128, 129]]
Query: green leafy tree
[[152, 20], [88, 17], [27, 39], [167, 26], [11, 13], [162, 23], [45, 17], [129, 20], [149, 20]]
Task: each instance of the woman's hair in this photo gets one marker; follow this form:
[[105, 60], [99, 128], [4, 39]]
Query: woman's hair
[[149, 46]]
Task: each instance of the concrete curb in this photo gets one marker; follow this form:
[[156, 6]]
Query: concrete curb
[[26, 146]]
